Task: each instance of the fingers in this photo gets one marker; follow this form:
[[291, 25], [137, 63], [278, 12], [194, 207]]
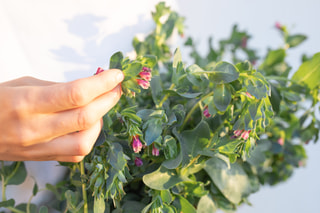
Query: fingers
[[84, 117], [68, 148], [60, 97], [27, 81]]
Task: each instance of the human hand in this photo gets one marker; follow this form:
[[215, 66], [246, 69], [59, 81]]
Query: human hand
[[41, 120]]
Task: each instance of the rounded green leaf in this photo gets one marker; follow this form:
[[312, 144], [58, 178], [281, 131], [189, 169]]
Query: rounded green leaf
[[223, 72], [233, 182], [162, 179], [222, 97], [206, 204], [115, 61], [309, 72]]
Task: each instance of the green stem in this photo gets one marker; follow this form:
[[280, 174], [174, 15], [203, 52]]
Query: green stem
[[84, 192], [193, 109], [12, 209], [165, 97], [4, 186], [13, 172]]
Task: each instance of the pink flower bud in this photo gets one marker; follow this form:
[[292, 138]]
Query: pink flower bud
[[238, 132], [244, 41], [99, 70], [249, 95], [245, 134], [278, 26], [206, 112], [146, 69], [155, 151], [138, 162], [136, 144], [143, 83], [146, 75], [281, 141]]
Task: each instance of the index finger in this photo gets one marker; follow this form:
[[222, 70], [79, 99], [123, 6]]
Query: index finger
[[74, 94]]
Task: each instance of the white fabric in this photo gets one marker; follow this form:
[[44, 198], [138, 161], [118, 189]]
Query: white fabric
[[62, 41]]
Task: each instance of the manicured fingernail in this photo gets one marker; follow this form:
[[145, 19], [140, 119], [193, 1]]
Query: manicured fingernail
[[120, 76]]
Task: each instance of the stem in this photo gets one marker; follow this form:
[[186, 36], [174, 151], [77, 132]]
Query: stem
[[13, 172], [166, 96], [84, 192], [4, 186], [193, 109], [12, 209]]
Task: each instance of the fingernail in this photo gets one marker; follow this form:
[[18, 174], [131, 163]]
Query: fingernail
[[120, 76]]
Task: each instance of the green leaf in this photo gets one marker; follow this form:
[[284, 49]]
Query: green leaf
[[115, 61], [35, 189], [99, 204], [193, 75], [176, 58], [295, 40], [132, 206], [132, 70], [72, 199], [170, 147], [257, 88], [183, 205], [115, 157], [206, 204], [193, 141], [166, 196], [223, 72], [43, 209], [309, 72], [23, 207], [274, 57], [19, 175], [233, 182], [222, 97], [156, 89], [163, 179], [254, 109], [7, 203], [149, 60]]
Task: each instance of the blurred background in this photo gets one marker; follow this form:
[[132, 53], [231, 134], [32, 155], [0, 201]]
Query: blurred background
[[72, 38], [301, 193]]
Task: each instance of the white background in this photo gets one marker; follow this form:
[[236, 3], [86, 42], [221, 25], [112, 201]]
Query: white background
[[301, 193], [64, 40]]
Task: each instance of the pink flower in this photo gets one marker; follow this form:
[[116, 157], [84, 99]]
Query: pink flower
[[245, 134], [206, 112], [146, 75], [238, 132], [281, 141], [249, 95], [136, 144], [155, 151], [143, 83], [244, 41], [138, 162], [278, 26], [99, 70], [146, 69]]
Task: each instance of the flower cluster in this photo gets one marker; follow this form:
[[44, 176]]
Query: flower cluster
[[137, 148], [206, 112], [244, 134], [145, 78], [136, 144]]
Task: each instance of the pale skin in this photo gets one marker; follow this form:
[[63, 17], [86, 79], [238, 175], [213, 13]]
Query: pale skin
[[42, 120]]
